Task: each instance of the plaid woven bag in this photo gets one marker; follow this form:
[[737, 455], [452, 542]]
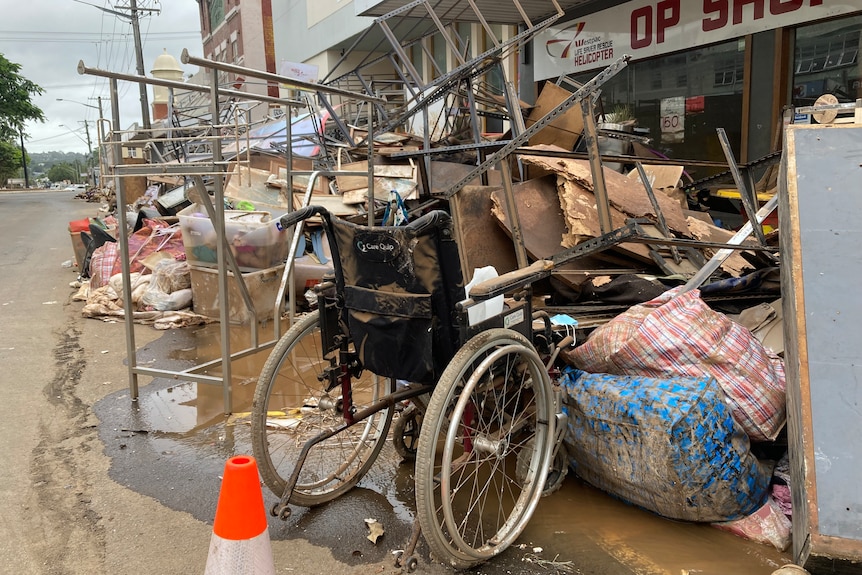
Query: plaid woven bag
[[678, 335]]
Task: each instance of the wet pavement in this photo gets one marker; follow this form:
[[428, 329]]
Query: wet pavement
[[173, 443]]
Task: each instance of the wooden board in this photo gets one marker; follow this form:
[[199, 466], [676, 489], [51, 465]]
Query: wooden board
[[481, 242], [820, 270], [445, 174], [396, 171], [582, 219], [543, 225], [735, 264]]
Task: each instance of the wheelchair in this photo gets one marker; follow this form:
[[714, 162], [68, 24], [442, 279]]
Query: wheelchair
[[392, 327]]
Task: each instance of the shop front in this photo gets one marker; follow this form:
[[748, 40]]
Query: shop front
[[699, 66]]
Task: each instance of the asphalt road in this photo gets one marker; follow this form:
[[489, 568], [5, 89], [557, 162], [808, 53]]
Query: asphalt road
[[93, 483]]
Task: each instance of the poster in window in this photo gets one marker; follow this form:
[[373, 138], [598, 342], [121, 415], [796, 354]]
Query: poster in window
[[673, 120]]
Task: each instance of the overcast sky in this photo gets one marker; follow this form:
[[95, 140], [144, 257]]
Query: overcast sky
[[49, 37]]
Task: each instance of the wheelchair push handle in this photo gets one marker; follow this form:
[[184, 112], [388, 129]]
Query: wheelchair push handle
[[291, 219], [432, 220]]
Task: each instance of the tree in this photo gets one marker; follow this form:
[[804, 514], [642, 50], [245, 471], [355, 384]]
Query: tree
[[10, 161], [15, 109], [62, 172], [15, 105]]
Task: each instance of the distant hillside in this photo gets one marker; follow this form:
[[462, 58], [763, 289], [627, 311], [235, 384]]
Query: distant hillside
[[41, 162]]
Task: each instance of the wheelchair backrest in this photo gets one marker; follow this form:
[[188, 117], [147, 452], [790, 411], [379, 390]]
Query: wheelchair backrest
[[400, 285]]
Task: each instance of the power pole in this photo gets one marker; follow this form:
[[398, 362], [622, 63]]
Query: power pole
[[139, 54], [90, 155], [24, 158]]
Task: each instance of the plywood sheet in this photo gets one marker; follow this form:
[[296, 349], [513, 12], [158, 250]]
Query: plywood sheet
[[543, 224], [820, 269], [445, 174], [582, 219], [735, 264]]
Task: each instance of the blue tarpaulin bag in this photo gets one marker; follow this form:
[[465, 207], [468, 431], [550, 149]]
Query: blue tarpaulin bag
[[668, 445]]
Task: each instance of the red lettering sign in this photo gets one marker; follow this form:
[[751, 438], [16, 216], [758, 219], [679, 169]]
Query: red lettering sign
[[644, 39], [667, 15], [739, 5], [717, 12], [719, 8], [783, 7]]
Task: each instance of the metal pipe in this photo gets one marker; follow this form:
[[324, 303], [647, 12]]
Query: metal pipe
[[123, 239], [84, 69], [187, 58]]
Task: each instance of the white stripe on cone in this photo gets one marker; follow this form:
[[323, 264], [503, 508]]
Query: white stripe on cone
[[246, 557]]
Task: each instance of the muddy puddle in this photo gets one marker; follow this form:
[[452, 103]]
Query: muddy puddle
[[179, 434]]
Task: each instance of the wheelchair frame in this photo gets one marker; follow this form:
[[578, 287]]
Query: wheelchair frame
[[490, 432]]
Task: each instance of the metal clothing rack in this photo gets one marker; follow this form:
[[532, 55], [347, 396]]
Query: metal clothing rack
[[214, 166]]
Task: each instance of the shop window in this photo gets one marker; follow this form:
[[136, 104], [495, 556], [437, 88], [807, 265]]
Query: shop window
[[825, 61], [728, 71], [678, 101]]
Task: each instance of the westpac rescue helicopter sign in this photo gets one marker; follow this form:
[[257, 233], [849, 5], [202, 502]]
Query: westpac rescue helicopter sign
[[646, 28]]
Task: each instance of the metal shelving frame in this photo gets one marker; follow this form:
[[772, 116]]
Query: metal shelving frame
[[215, 166]]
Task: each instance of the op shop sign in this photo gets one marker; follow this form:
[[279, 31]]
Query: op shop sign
[[645, 28]]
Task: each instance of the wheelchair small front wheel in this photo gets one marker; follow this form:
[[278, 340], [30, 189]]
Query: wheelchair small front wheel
[[405, 432]]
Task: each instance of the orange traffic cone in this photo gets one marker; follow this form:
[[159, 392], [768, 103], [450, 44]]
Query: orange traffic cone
[[240, 539]]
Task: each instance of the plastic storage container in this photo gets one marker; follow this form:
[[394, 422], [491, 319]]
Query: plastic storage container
[[254, 238], [262, 287]]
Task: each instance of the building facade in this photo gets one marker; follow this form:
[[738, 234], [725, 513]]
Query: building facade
[[241, 33]]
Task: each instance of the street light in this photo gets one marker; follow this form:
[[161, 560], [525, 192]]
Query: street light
[[87, 141], [99, 108], [87, 129]]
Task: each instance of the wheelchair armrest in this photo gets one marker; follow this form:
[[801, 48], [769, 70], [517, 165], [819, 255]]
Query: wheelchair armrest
[[512, 280]]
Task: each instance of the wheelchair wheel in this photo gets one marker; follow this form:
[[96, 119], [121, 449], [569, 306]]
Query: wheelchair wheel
[[291, 406], [493, 401]]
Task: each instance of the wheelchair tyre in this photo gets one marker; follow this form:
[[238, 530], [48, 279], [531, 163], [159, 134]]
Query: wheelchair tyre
[[290, 407], [493, 401]]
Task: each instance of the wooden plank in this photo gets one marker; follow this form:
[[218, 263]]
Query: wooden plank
[[398, 171], [481, 242], [445, 174], [582, 219], [735, 264], [821, 232], [543, 224]]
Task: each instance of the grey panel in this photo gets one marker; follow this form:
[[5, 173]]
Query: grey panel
[[829, 185]]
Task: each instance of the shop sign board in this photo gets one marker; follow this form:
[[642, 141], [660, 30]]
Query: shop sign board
[[646, 28]]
